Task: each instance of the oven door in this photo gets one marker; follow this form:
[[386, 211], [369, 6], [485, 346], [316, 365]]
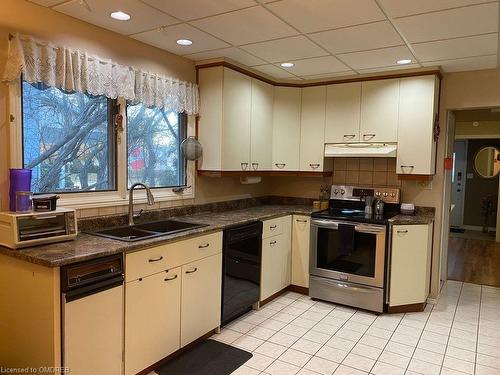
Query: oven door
[[363, 265]]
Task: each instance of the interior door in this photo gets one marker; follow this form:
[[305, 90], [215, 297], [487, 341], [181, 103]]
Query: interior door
[[458, 183]]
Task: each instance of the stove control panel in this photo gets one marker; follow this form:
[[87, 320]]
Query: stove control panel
[[353, 193]]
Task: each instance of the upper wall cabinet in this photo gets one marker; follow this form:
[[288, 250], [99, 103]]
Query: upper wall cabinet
[[286, 128], [261, 138], [343, 103], [379, 111], [312, 128], [418, 106]]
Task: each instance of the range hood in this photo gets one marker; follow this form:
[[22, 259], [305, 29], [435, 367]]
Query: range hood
[[374, 150]]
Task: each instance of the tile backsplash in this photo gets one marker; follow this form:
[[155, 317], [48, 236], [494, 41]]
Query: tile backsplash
[[365, 172]]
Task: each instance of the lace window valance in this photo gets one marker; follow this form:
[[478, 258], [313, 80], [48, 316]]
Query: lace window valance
[[73, 70]]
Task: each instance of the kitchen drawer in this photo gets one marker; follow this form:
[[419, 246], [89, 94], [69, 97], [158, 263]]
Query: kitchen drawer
[[274, 227], [149, 261]]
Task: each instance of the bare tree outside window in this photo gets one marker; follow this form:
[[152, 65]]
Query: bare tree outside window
[[153, 138], [67, 140]]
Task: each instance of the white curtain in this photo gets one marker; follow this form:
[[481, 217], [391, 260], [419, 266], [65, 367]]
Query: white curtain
[[73, 70]]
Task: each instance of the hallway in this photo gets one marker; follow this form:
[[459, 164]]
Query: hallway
[[474, 261]]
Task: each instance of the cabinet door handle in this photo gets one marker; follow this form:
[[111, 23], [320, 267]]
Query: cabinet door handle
[[280, 165], [272, 243], [402, 231], [369, 136], [407, 166], [273, 227], [244, 166], [350, 136], [255, 166], [301, 221], [151, 260], [203, 246], [170, 278], [314, 165], [193, 270]]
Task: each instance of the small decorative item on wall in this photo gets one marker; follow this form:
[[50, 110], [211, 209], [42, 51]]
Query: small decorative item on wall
[[487, 210], [191, 149]]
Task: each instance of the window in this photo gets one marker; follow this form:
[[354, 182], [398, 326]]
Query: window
[[153, 152], [67, 140]]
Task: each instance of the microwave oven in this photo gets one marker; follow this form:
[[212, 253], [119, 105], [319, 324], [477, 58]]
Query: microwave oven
[[23, 229]]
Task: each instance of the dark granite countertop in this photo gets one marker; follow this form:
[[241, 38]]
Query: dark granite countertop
[[422, 215], [87, 246]]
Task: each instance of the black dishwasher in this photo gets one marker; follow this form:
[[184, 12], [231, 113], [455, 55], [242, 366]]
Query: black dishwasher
[[242, 254]]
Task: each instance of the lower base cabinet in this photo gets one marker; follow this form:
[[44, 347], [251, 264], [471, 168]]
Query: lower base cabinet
[[301, 232], [201, 297], [152, 319], [276, 258], [410, 264]]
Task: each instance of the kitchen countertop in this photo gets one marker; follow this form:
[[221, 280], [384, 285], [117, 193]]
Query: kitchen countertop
[[87, 246], [422, 215]]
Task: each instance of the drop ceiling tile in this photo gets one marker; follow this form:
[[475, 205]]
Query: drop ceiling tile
[[315, 15], [468, 63], [193, 9], [246, 26], [143, 17], [376, 58], [274, 71], [294, 48], [398, 8], [233, 53], [457, 48], [166, 38], [388, 68], [47, 3], [318, 65], [454, 23], [358, 38]]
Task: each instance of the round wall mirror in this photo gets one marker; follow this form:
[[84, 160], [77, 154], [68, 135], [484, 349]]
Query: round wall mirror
[[486, 163]]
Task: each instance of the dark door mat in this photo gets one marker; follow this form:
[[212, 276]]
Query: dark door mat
[[457, 230], [209, 357]]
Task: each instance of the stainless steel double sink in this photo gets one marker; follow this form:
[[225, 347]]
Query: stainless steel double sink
[[137, 232]]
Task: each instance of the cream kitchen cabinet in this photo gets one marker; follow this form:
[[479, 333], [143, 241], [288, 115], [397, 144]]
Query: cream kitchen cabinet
[[410, 264], [276, 257], [312, 128], [286, 128], [152, 319], [261, 138], [379, 111], [343, 103], [300, 250], [201, 297], [418, 106], [229, 101]]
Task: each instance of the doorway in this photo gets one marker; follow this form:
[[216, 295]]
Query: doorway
[[473, 251]]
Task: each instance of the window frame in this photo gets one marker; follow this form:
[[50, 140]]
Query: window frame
[[109, 198]]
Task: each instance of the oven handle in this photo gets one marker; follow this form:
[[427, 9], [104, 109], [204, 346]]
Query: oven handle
[[361, 228], [357, 288]]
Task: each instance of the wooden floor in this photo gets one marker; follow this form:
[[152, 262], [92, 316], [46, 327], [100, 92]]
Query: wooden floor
[[474, 261]]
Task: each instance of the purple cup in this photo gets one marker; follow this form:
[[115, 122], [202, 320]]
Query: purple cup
[[20, 180]]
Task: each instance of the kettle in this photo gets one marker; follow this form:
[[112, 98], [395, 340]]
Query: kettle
[[379, 207]]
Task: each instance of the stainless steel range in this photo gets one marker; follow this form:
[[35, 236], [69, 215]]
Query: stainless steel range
[[349, 245]]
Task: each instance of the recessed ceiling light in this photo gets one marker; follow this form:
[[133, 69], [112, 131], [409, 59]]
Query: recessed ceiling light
[[404, 61], [287, 65], [184, 42], [120, 16]]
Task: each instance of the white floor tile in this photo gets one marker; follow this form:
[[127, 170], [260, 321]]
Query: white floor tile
[[488, 361], [394, 359], [294, 330], [282, 368], [427, 356], [283, 339], [465, 355], [227, 336], [275, 325], [366, 351], [422, 367], [261, 333], [381, 368], [346, 370], [244, 370], [295, 357], [376, 342], [306, 346], [401, 349], [321, 365], [358, 362], [320, 337], [458, 365], [248, 343], [271, 350], [332, 354], [340, 343], [259, 361]]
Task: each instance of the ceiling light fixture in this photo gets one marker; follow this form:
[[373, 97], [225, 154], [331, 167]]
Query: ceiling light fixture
[[287, 65], [120, 16], [184, 42], [404, 61]]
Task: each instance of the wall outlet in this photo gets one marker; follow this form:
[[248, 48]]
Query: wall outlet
[[426, 185]]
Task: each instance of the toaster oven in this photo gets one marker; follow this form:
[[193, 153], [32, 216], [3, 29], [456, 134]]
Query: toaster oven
[[23, 229]]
